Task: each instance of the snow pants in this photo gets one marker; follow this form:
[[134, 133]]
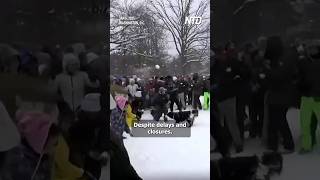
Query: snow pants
[[206, 102], [309, 107]]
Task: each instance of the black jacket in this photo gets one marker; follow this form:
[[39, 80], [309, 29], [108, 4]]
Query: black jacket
[[182, 86], [161, 100], [282, 89], [121, 167], [172, 88], [198, 87], [224, 78], [310, 73]]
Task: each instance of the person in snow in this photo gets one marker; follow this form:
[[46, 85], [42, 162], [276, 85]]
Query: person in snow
[[242, 79], [206, 94], [188, 80], [172, 90], [64, 169], [71, 83], [224, 91], [160, 104], [132, 88], [120, 166], [118, 119], [310, 100], [32, 158], [150, 92], [197, 91], [116, 88], [182, 88], [258, 91], [281, 93], [130, 116], [88, 134]]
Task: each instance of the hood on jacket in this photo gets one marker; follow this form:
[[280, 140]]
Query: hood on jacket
[[121, 102], [68, 59], [34, 128], [10, 136], [91, 103]]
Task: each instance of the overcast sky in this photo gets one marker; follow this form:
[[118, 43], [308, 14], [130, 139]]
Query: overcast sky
[[171, 47]]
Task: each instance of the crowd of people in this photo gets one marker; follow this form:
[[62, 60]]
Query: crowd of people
[[131, 96], [51, 122], [260, 82], [161, 93]]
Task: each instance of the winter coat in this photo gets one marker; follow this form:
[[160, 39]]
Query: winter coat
[[63, 168], [172, 88], [224, 73], [198, 87], [132, 89], [243, 78], [310, 77], [21, 162], [72, 87], [182, 86], [206, 86], [281, 87], [130, 117], [118, 122], [120, 167], [161, 101]]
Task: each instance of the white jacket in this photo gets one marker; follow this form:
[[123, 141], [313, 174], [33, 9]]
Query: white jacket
[[132, 89], [72, 87]]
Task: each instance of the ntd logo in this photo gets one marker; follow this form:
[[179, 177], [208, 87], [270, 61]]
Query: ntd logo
[[193, 20]]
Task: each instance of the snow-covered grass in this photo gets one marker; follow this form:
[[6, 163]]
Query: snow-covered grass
[[295, 166], [172, 158]]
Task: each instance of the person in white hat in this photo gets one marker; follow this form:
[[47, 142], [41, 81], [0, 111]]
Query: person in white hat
[[72, 82]]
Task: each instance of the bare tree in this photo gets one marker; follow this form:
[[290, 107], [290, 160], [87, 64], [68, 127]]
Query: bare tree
[[186, 37], [143, 39]]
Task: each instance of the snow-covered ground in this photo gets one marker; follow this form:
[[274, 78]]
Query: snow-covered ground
[[295, 166], [172, 158]]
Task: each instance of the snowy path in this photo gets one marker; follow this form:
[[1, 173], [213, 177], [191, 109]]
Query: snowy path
[[295, 166], [173, 158]]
